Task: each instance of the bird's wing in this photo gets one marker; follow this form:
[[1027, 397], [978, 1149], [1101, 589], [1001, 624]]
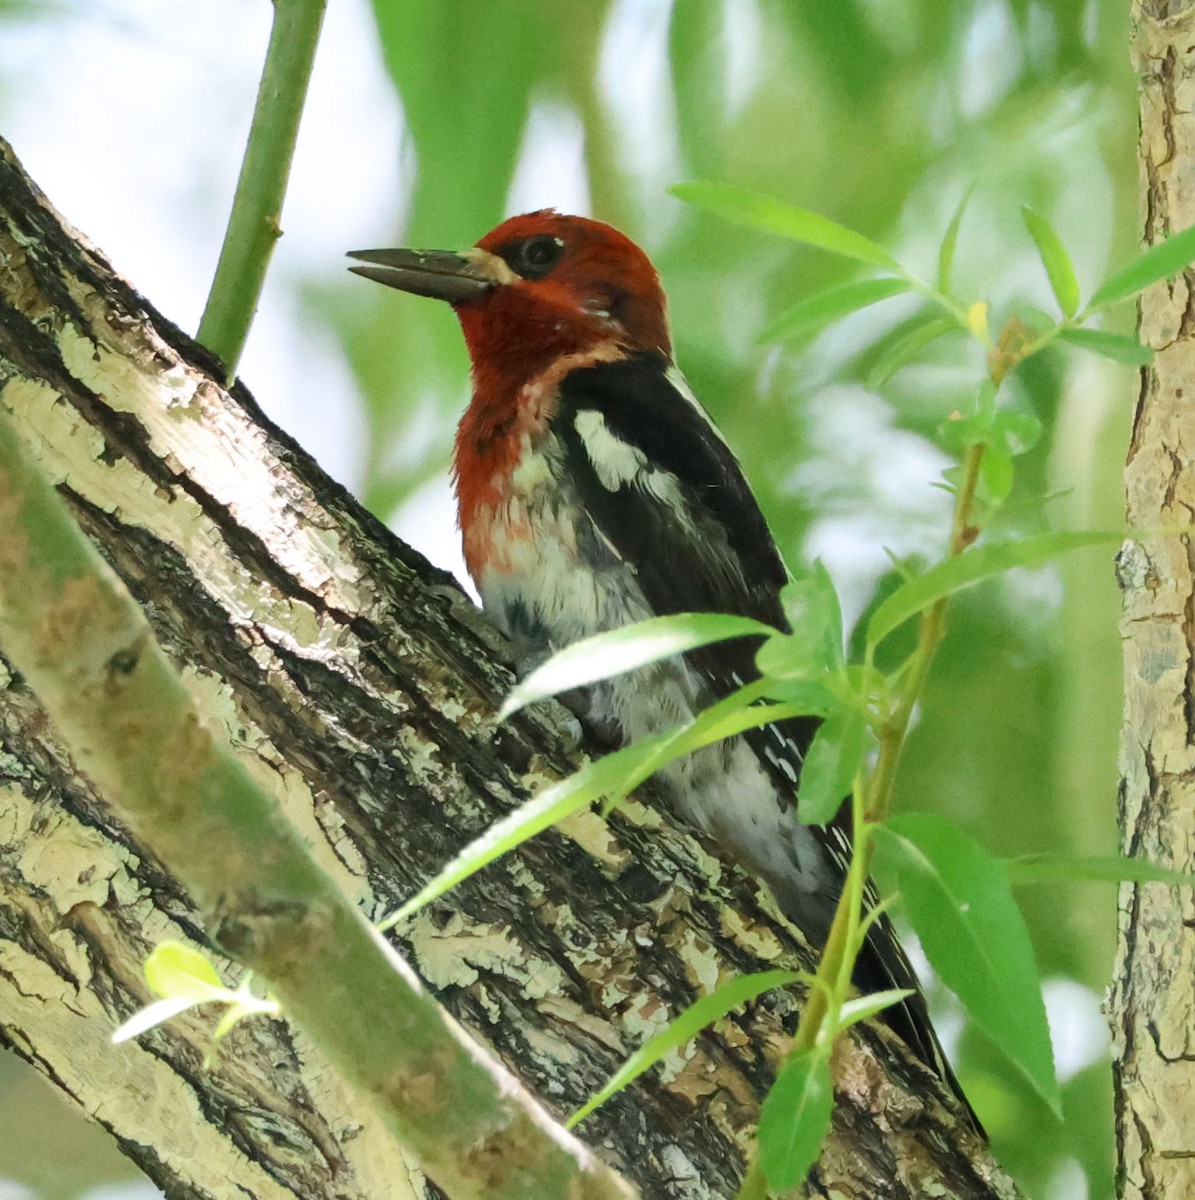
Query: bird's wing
[[668, 496]]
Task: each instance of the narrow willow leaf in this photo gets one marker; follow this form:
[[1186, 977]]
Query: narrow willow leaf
[[971, 567], [794, 1120], [814, 614], [985, 399], [614, 774], [863, 1007], [770, 215], [1056, 261], [960, 903], [812, 696], [704, 731], [1107, 868], [1120, 347], [959, 433], [732, 715], [822, 308], [620, 650], [176, 971], [906, 344], [1167, 258], [949, 242], [684, 1028], [830, 764], [153, 1014], [233, 1015]]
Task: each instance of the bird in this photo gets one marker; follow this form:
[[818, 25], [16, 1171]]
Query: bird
[[594, 491]]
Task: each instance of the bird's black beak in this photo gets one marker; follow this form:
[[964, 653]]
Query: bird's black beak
[[441, 274]]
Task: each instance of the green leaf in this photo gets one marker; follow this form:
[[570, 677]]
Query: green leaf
[[863, 1007], [153, 1014], [1056, 261], [717, 723], [1167, 258], [1015, 431], [985, 399], [906, 344], [1106, 868], [766, 213], [949, 242], [960, 903], [176, 971], [794, 1120], [831, 761], [1120, 347], [971, 567], [732, 994], [996, 475], [811, 608], [614, 774], [607, 654], [822, 308], [233, 1015], [1011, 430], [813, 697], [790, 657]]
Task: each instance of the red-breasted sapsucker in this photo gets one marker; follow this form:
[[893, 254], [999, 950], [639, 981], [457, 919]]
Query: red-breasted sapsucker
[[594, 491]]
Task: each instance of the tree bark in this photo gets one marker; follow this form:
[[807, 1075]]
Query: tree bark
[[360, 685], [1153, 1033]]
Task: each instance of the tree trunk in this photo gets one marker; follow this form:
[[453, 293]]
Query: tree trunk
[[359, 685], [1153, 1034]]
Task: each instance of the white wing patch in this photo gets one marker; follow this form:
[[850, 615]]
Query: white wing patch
[[615, 462], [618, 464]]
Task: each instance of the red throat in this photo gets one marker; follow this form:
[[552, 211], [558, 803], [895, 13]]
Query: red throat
[[497, 431]]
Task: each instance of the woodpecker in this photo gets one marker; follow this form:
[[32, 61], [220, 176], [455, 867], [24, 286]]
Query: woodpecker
[[594, 491]]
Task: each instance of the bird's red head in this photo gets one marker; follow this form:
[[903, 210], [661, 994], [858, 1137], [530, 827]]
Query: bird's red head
[[570, 284], [539, 287], [539, 296]]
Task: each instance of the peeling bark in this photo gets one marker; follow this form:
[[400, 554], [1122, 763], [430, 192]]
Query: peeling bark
[[359, 685], [1153, 1011]]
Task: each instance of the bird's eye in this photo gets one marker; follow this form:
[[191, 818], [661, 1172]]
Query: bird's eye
[[535, 257]]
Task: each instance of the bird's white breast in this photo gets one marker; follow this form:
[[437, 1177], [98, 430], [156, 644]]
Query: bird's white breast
[[552, 580]]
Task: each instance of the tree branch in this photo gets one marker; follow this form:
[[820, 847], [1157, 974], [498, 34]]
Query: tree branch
[[86, 649]]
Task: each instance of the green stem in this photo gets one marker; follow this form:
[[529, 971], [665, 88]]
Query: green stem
[[870, 800], [929, 634], [254, 225]]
